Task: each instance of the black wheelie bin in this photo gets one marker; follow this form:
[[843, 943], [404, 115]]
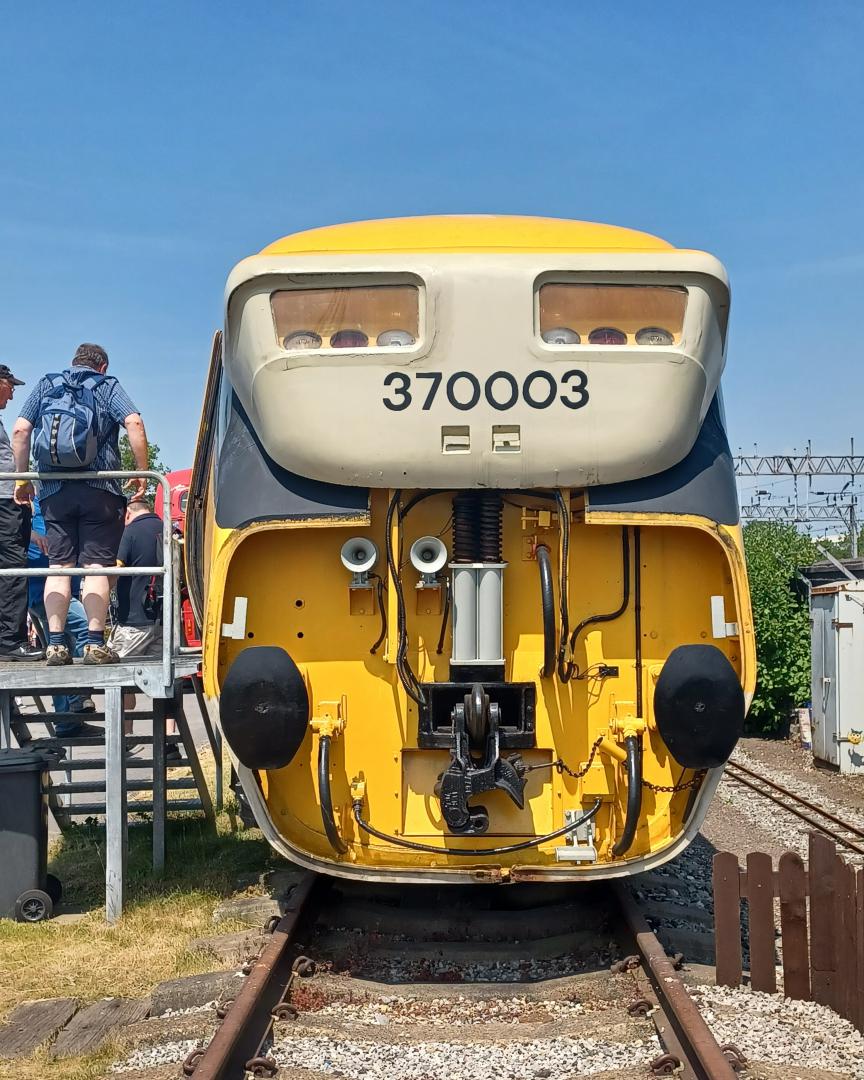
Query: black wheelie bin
[[27, 891]]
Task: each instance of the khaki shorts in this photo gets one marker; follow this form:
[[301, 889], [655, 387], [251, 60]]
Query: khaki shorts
[[136, 640]]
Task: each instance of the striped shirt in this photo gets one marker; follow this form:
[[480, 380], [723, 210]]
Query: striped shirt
[[113, 405]]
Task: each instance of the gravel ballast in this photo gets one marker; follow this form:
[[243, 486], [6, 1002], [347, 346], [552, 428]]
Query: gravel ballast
[[370, 1060], [777, 1030]]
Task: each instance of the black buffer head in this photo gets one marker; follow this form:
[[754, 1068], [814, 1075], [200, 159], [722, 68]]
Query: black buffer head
[[264, 707], [699, 706]]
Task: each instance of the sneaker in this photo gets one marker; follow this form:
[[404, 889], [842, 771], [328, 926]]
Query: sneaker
[[74, 730], [57, 655], [173, 756], [87, 705], [100, 654], [23, 652]]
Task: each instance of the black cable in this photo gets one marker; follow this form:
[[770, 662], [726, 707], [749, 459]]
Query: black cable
[[439, 648], [336, 841], [403, 668], [379, 592], [565, 670], [547, 599], [609, 616], [637, 613], [472, 852], [634, 794], [419, 497]]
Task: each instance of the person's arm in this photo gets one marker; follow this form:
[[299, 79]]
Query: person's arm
[[21, 436], [124, 554], [138, 443], [40, 540]]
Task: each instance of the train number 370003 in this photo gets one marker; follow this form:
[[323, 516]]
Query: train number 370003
[[502, 390]]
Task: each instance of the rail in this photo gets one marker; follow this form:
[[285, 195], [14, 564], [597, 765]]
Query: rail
[[796, 804], [165, 570], [247, 1021], [239, 1045], [691, 1049]]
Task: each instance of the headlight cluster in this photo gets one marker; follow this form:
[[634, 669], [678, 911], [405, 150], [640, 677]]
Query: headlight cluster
[[608, 335], [346, 339]]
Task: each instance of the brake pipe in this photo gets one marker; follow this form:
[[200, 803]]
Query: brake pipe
[[327, 816], [633, 750]]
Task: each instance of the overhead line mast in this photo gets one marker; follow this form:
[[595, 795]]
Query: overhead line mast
[[805, 465]]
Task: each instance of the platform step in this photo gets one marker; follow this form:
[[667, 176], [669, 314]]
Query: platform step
[[96, 740], [95, 809], [90, 787], [80, 764], [98, 717]]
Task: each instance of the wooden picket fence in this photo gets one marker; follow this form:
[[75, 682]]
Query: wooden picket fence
[[821, 923]]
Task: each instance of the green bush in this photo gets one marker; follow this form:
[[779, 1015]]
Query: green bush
[[782, 621]]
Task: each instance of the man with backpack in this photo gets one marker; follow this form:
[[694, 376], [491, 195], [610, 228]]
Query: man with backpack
[[73, 420]]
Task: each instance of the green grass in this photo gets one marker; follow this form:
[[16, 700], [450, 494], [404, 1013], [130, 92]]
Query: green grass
[[89, 959]]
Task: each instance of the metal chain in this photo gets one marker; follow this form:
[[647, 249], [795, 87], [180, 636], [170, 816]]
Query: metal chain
[[695, 782], [558, 764], [577, 774]]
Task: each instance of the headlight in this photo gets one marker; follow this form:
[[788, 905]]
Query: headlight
[[302, 339], [561, 335], [349, 339], [607, 335], [395, 337], [653, 335]]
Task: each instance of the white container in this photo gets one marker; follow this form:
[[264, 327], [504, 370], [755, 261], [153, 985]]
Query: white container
[[837, 653]]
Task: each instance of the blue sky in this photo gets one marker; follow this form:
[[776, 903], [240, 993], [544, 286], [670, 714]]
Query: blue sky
[[146, 149]]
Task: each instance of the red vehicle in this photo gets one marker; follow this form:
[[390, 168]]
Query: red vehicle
[[179, 482]]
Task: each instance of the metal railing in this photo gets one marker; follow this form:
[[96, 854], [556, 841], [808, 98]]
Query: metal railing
[[170, 619]]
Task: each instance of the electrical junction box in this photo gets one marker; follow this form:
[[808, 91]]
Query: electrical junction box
[[837, 653]]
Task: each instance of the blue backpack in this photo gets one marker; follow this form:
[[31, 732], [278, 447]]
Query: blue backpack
[[67, 428]]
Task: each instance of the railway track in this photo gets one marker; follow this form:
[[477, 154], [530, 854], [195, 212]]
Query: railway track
[[256, 1024], [842, 832]]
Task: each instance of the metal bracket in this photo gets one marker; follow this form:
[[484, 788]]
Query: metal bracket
[[579, 845], [332, 718], [150, 681]]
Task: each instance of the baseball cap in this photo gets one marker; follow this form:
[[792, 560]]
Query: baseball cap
[[5, 373]]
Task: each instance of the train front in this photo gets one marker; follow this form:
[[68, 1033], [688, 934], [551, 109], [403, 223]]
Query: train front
[[476, 606]]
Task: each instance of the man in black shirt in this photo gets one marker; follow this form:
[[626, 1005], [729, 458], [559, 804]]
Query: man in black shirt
[[138, 633]]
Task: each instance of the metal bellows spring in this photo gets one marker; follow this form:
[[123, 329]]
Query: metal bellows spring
[[477, 527]]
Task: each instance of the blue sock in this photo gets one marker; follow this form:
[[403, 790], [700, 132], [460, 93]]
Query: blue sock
[[95, 637], [57, 639]]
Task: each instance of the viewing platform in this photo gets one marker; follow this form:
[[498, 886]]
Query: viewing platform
[[159, 676]]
